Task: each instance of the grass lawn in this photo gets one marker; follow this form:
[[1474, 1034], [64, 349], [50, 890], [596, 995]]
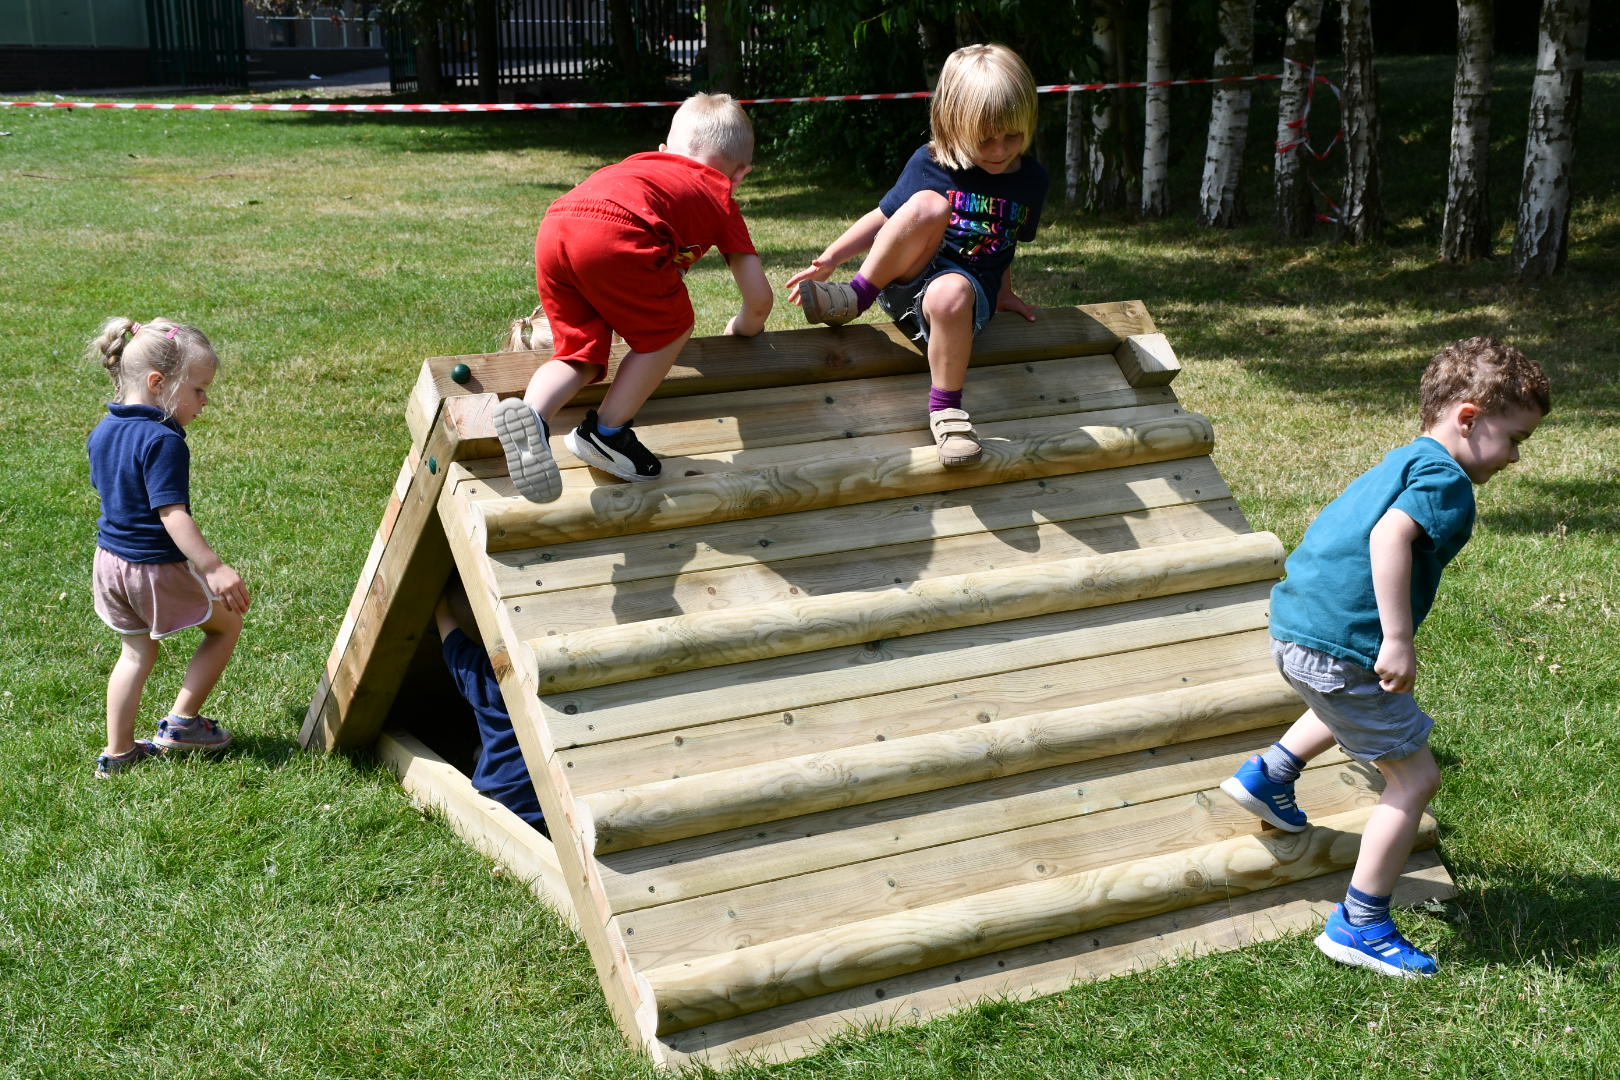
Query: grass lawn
[[274, 913]]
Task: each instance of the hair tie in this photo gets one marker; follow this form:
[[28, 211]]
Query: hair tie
[[134, 328], [173, 330]]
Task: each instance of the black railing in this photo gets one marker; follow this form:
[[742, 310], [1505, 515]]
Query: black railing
[[197, 42]]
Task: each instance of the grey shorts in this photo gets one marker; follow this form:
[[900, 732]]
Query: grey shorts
[[902, 301], [1368, 722]]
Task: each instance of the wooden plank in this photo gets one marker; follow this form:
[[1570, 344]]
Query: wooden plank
[[744, 980], [395, 599], [721, 862], [1169, 819], [624, 818], [832, 474], [1147, 360], [1123, 492], [701, 639], [821, 354], [862, 567], [774, 736], [789, 1031], [600, 714], [488, 826]]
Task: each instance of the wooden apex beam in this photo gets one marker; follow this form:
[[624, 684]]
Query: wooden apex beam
[[685, 995], [1011, 452], [686, 806], [1147, 360], [613, 654]]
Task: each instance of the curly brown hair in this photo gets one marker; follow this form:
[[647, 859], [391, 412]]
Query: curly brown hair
[[1482, 370]]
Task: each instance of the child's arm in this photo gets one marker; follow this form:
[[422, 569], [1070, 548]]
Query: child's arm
[[855, 239], [222, 581], [1390, 548], [757, 297], [1007, 300]]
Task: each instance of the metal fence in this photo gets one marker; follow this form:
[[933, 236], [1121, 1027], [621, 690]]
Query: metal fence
[[196, 42]]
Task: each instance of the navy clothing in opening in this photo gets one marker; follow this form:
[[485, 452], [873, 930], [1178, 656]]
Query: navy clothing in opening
[[990, 212], [501, 772], [139, 461]]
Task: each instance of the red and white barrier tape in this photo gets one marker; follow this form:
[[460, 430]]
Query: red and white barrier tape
[[538, 106]]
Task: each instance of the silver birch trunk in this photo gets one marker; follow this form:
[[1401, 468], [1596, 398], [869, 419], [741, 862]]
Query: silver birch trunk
[[1156, 118], [1362, 213], [1541, 237], [1107, 182], [1078, 115], [1292, 214], [1466, 234], [1218, 197]]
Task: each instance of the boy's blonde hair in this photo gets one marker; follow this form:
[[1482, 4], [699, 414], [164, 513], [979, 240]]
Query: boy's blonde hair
[[983, 90], [128, 350], [1482, 370], [529, 333], [712, 125]]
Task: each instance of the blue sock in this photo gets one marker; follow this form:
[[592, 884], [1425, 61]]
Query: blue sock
[[943, 399], [865, 291], [1280, 765], [603, 429], [1362, 909]]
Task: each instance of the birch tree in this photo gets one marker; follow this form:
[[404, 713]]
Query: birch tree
[[1218, 202], [1362, 213], [1541, 237], [1292, 214], [1156, 116], [1466, 234], [1107, 188]]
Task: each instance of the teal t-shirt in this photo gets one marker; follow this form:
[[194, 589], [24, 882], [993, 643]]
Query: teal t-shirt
[[1326, 601]]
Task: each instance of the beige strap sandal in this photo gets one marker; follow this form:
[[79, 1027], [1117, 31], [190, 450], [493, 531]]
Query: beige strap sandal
[[953, 435], [830, 302]]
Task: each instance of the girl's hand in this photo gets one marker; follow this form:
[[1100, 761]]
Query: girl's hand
[[1007, 300], [817, 271], [227, 584]]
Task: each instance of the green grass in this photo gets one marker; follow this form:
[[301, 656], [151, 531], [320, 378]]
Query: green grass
[[275, 913]]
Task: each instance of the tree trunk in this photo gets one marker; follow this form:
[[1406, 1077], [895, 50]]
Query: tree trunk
[[1466, 235], [487, 42], [720, 45], [622, 21], [1075, 143], [1156, 117], [429, 77], [1292, 214], [1107, 191], [1219, 201], [1540, 239], [1362, 214]]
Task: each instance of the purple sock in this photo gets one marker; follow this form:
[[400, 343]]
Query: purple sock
[[943, 399], [865, 291]]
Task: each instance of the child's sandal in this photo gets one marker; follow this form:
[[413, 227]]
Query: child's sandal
[[955, 438]]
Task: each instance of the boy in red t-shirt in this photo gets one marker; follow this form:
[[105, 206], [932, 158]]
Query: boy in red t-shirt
[[610, 256]]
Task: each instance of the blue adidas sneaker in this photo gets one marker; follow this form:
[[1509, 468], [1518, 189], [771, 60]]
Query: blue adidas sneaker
[[1263, 797], [1379, 947]]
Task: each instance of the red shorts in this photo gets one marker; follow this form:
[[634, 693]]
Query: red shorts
[[601, 270], [156, 599]]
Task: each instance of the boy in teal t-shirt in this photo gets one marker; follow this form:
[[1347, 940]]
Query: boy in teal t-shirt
[[1342, 621]]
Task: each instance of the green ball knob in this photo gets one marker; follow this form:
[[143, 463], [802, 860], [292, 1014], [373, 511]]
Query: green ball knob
[[461, 374]]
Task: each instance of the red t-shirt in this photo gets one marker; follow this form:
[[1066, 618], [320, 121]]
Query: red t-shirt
[[685, 202]]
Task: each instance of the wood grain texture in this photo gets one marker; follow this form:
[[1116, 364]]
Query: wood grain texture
[[1148, 360], [692, 805], [744, 980]]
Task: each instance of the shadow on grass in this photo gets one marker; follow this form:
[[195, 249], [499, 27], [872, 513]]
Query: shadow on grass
[[1526, 915]]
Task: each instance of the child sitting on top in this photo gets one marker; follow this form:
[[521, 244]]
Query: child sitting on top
[[942, 240], [154, 574], [610, 256], [1342, 622]]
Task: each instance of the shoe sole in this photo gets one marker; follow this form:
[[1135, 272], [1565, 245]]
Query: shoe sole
[[816, 311], [1239, 794], [171, 747], [1344, 954], [528, 456], [593, 457], [957, 461]]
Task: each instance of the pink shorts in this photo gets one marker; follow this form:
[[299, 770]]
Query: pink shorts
[[157, 599]]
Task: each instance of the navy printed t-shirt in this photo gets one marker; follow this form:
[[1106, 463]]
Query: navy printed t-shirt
[[139, 461], [990, 212]]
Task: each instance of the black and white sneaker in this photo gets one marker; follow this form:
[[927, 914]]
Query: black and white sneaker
[[528, 451], [620, 454]]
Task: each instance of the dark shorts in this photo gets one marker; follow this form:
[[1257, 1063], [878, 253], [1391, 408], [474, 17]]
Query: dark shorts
[[903, 301]]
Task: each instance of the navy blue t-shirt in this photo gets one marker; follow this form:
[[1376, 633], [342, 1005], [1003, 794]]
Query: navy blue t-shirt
[[139, 461], [990, 212]]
